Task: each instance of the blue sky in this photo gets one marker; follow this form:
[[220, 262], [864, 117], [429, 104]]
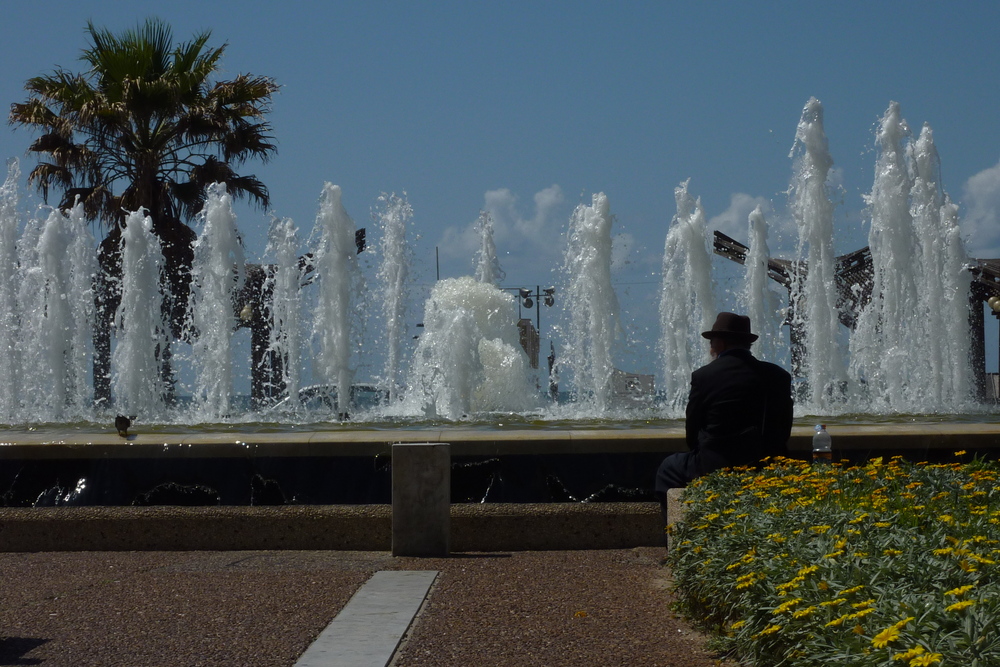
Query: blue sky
[[527, 108]]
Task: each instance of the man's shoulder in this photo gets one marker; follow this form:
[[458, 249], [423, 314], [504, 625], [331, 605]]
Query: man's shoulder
[[775, 370]]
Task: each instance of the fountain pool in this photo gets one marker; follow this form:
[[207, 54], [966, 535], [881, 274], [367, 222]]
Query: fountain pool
[[469, 382]]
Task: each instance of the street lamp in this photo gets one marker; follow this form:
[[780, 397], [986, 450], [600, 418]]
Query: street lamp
[[529, 299]]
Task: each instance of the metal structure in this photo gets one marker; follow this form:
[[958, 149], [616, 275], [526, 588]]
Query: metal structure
[[854, 279]]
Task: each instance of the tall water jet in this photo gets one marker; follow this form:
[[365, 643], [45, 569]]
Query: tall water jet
[[283, 283], [217, 271], [337, 274], [814, 292], [487, 264], [142, 331], [393, 215], [469, 359], [56, 302], [757, 300], [591, 302], [888, 331], [10, 368], [83, 269], [943, 282], [687, 300]]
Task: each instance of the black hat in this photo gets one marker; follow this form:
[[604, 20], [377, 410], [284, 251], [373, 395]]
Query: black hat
[[732, 326]]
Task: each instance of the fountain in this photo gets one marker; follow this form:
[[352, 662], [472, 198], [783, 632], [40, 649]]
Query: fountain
[[687, 300], [468, 381]]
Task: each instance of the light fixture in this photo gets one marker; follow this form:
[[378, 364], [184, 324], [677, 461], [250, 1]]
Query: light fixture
[[526, 297]]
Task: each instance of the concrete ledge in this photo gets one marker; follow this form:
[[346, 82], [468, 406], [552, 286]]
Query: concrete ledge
[[474, 527], [911, 438], [555, 526]]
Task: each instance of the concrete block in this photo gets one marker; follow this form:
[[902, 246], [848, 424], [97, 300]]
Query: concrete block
[[421, 499]]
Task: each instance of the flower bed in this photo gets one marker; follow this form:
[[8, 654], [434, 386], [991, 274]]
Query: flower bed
[[884, 564]]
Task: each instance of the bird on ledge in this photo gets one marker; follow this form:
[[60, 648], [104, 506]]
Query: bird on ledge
[[122, 423]]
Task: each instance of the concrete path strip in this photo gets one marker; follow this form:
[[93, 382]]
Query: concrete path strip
[[368, 629]]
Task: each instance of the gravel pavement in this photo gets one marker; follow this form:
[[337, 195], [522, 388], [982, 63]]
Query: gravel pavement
[[264, 608]]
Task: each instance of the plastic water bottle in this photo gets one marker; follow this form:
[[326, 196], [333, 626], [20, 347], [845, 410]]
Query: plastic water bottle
[[821, 445]]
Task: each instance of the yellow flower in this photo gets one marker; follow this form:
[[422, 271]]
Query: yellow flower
[[769, 630], [960, 452], [837, 621], [882, 639], [909, 655], [809, 569], [737, 625], [925, 660], [961, 590], [959, 606], [785, 606], [802, 613]]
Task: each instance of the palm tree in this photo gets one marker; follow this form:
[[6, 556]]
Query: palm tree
[[146, 127]]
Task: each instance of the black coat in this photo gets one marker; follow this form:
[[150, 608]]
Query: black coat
[[739, 408]]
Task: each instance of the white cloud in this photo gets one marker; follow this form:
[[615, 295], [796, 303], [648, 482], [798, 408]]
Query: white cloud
[[514, 233], [981, 223]]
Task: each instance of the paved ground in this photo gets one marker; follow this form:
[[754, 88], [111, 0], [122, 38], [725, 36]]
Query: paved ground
[[256, 608]]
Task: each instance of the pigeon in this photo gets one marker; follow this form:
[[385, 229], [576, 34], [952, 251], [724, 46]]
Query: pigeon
[[122, 423]]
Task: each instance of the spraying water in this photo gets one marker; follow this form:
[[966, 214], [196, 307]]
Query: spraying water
[[469, 359], [393, 215], [591, 302], [909, 351], [942, 282], [10, 367], [336, 274], [487, 265], [687, 300], [56, 301], [217, 271], [814, 292], [911, 345], [283, 283], [888, 328], [758, 301], [142, 333]]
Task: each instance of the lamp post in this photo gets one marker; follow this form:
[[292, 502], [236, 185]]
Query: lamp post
[[529, 299], [526, 298]]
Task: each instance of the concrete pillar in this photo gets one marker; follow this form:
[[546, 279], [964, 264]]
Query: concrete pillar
[[676, 509], [421, 499]]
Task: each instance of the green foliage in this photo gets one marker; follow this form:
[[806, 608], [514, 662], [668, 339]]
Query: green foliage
[[886, 564], [146, 118]]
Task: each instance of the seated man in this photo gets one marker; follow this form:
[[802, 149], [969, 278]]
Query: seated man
[[739, 409]]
